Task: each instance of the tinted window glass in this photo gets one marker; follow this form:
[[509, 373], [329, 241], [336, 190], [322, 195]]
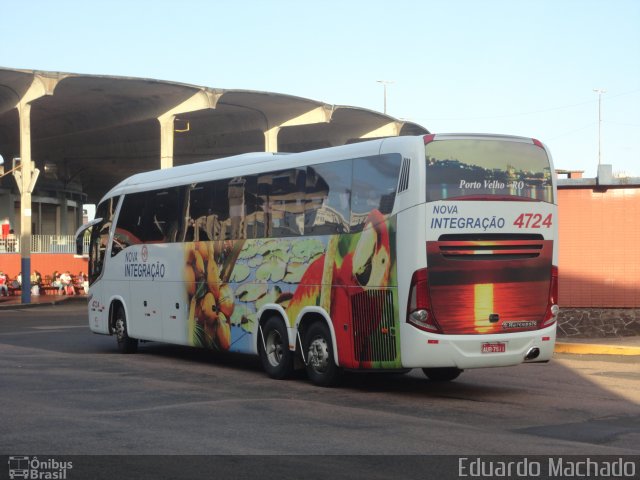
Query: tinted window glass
[[100, 237], [208, 212], [236, 189], [149, 217], [374, 186], [129, 228], [480, 168], [263, 214], [328, 198], [286, 202], [252, 207]]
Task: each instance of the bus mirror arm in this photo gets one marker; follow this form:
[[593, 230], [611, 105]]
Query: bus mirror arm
[[80, 234], [79, 245]]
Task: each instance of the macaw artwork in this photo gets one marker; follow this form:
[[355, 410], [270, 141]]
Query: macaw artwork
[[350, 276]]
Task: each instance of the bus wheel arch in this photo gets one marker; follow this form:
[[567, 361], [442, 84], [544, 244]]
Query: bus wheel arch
[[118, 326], [273, 345]]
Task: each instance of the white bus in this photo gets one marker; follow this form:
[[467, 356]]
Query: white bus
[[436, 252]]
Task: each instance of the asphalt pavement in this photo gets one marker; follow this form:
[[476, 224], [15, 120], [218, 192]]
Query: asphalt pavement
[[573, 345]]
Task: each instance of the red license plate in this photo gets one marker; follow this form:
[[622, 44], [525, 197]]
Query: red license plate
[[497, 347]]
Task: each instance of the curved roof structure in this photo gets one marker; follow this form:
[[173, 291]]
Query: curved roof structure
[[92, 131]]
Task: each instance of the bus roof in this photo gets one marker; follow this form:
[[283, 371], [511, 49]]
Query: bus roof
[[245, 164], [252, 163]]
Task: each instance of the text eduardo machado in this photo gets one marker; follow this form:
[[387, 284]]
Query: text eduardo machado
[[586, 467]]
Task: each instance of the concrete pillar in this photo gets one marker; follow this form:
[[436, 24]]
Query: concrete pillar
[[201, 100], [27, 175], [64, 216], [79, 211], [271, 139], [26, 178], [166, 140]]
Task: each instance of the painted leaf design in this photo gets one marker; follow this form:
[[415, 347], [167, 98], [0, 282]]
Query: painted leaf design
[[307, 248], [270, 297], [240, 272], [295, 271], [251, 292], [273, 269]]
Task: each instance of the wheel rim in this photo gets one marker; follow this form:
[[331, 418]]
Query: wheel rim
[[120, 329], [274, 350], [319, 354]]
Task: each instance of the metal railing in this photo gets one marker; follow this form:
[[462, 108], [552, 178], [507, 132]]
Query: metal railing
[[46, 244]]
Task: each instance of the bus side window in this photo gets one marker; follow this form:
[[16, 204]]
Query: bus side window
[[128, 229], [286, 202], [374, 187], [263, 214], [160, 222], [327, 198], [251, 205], [197, 214], [148, 217], [237, 208]]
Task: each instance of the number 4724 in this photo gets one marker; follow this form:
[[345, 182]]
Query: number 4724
[[533, 220]]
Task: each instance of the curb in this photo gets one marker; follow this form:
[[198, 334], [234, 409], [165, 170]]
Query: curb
[[21, 306], [595, 349]]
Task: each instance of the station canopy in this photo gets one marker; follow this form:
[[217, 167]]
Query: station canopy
[[92, 131]]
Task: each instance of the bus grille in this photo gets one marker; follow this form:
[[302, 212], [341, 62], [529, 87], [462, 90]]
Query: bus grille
[[374, 336], [490, 247], [403, 183]]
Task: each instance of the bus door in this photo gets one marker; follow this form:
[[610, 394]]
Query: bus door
[[98, 310]]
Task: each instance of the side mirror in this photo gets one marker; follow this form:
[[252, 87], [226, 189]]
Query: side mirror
[[80, 235], [80, 245]]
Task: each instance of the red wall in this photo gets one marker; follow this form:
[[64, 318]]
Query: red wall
[[599, 246], [45, 263]]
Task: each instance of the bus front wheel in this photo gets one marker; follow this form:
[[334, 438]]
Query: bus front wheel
[[126, 344], [276, 358], [442, 374], [321, 368]]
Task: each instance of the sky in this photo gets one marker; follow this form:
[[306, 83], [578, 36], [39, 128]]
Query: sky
[[515, 67]]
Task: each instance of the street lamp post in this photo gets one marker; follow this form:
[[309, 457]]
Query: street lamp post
[[384, 84], [599, 91]]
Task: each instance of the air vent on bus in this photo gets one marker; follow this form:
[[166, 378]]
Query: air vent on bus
[[490, 246], [403, 183], [374, 336]]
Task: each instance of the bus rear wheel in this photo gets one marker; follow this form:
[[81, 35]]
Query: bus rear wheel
[[273, 346], [442, 374], [318, 347], [126, 344]]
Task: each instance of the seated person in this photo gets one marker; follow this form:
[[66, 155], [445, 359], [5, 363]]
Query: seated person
[[65, 282], [4, 280]]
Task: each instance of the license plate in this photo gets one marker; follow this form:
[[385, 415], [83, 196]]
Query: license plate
[[497, 347]]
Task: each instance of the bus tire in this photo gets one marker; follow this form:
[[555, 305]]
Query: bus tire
[[277, 360], [442, 374], [318, 349], [126, 344]]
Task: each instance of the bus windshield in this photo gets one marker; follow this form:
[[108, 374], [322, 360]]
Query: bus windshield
[[473, 169]]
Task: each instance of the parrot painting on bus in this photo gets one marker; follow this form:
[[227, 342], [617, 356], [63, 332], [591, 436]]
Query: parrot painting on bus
[[352, 264]]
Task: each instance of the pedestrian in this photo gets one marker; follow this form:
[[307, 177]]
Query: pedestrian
[[65, 281], [4, 289]]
